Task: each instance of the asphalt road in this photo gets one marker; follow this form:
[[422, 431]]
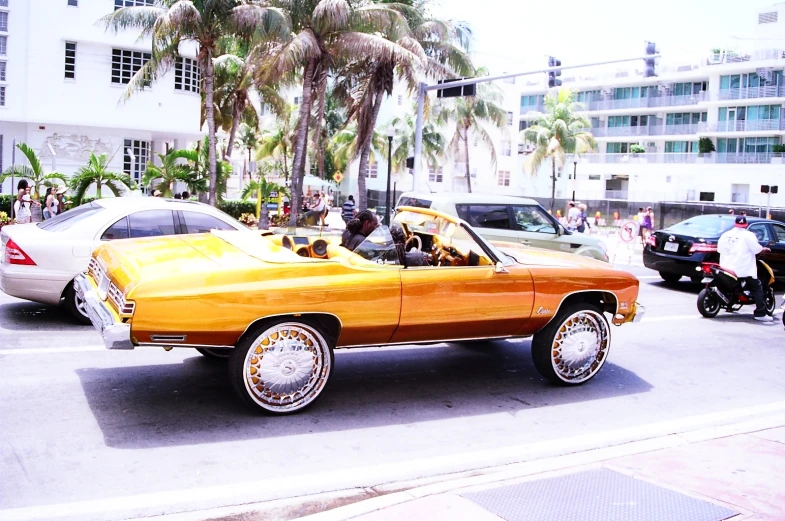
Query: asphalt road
[[90, 434]]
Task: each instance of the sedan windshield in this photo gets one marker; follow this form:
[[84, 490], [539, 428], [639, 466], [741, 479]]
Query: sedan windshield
[[704, 226], [67, 219]]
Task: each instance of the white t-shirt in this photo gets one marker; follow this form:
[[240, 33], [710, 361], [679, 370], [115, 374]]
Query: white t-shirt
[[319, 206], [573, 217], [737, 248]]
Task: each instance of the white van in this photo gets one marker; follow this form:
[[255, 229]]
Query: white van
[[512, 219]]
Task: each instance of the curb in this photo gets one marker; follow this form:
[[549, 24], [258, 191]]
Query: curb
[[392, 484]]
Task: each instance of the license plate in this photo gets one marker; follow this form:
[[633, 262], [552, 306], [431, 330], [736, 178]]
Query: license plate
[[671, 246]]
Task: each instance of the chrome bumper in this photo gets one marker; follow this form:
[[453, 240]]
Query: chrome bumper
[[116, 335], [635, 315], [639, 312]]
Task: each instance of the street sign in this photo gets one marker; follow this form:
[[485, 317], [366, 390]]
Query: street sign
[[338, 177], [629, 231]]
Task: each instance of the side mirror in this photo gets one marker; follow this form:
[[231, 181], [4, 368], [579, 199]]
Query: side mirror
[[500, 267]]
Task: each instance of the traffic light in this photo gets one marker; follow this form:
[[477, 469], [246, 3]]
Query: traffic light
[[651, 63], [553, 81], [764, 189], [456, 92]]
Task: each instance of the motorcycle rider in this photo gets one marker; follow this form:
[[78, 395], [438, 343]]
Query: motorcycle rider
[[737, 248]]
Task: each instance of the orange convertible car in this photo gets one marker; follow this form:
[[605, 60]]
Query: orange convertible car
[[277, 306]]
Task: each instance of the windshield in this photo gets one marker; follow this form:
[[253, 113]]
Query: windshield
[[69, 218], [378, 247], [703, 226]]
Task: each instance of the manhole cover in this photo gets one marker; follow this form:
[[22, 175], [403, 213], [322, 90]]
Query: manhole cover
[[596, 495]]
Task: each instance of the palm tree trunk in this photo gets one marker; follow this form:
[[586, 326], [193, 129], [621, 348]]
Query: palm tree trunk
[[258, 204], [238, 107], [365, 153], [98, 190], [322, 84], [466, 150], [553, 182], [285, 165], [209, 79], [298, 165]]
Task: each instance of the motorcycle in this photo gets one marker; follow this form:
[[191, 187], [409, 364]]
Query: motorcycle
[[725, 291]]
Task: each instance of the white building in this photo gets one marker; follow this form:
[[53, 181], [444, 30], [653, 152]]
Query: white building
[[62, 80]]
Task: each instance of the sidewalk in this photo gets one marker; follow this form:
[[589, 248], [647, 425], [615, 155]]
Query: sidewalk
[[703, 475]]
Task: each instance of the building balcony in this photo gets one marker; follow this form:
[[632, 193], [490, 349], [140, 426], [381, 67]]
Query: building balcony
[[772, 91], [684, 130], [756, 125], [651, 101], [688, 157], [674, 101], [652, 130], [616, 194], [532, 108]]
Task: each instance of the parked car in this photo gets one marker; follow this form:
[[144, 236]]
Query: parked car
[[279, 315], [40, 260], [506, 218], [678, 250]]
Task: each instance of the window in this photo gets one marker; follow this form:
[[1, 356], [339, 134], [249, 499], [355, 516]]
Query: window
[[4, 21], [531, 102], [706, 196], [400, 100], [296, 100], [493, 216], [3, 45], [681, 147], [66, 220], [74, 3], [504, 178], [119, 4], [1, 161], [509, 118], [118, 230], [126, 63], [3, 3], [523, 124], [778, 229], [685, 118], [2, 70], [616, 148], [135, 166], [196, 222], [435, 176], [373, 171], [187, 75], [532, 219], [151, 223], [587, 96], [2, 95], [506, 148], [70, 60], [761, 231]]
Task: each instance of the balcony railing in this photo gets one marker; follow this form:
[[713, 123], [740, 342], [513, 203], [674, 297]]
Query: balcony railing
[[532, 108], [771, 91], [688, 157], [653, 101], [680, 130], [652, 130], [751, 125], [685, 99], [616, 194]]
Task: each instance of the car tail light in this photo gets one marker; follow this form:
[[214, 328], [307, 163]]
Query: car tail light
[[702, 247], [707, 266], [651, 240], [16, 255]]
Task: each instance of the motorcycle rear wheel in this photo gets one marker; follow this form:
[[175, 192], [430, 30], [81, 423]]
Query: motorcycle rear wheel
[[708, 305], [771, 301]]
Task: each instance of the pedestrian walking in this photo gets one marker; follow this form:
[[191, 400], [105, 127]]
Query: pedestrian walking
[[647, 224], [61, 199], [348, 209], [584, 219], [23, 211], [573, 217]]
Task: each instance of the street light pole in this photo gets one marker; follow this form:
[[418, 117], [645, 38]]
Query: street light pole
[[14, 191], [390, 134], [574, 176]]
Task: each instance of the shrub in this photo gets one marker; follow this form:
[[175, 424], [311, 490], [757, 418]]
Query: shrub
[[248, 219], [5, 202], [237, 208], [637, 149], [705, 145], [778, 149]]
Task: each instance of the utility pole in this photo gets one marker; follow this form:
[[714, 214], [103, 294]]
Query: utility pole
[[424, 88], [14, 191]]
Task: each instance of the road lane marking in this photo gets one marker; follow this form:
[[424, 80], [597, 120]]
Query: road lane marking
[[51, 350]]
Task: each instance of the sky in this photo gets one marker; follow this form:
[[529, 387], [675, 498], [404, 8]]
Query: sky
[[513, 35]]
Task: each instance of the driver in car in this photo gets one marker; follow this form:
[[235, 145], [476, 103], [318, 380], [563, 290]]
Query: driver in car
[[358, 229], [408, 258]]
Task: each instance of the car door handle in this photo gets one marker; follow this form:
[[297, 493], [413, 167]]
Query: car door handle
[[526, 243]]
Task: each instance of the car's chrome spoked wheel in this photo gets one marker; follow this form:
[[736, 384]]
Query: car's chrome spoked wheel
[[287, 367], [80, 305], [580, 346]]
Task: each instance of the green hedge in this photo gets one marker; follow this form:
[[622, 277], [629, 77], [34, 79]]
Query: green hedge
[[236, 208], [5, 203]]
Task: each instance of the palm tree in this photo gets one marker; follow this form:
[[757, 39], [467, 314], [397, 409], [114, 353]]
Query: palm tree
[[557, 133], [198, 160], [262, 189], [433, 143], [249, 140], [343, 148], [443, 58], [96, 173], [471, 115], [34, 172], [205, 22], [168, 173], [325, 33], [278, 141]]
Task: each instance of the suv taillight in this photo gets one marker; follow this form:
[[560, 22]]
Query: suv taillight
[[651, 240], [16, 255]]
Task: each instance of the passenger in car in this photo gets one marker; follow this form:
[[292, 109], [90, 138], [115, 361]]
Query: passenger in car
[[358, 229]]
